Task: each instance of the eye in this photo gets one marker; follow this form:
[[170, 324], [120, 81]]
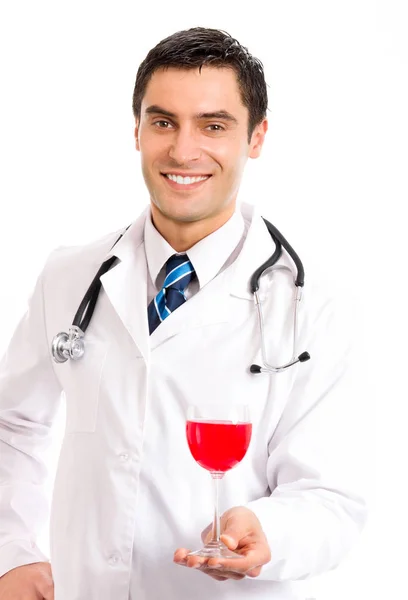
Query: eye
[[219, 127], [162, 124]]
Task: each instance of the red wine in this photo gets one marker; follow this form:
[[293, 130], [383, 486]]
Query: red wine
[[218, 445]]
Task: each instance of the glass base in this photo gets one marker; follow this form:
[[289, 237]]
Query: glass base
[[215, 549]]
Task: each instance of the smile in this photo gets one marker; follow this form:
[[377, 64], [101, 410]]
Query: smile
[[186, 180], [178, 182]]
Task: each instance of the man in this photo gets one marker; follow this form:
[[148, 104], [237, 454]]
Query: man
[[129, 501]]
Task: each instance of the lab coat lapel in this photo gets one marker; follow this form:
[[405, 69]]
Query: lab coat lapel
[[210, 305], [126, 286]]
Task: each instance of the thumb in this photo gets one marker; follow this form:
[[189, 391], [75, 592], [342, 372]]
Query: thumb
[[229, 541], [231, 535]]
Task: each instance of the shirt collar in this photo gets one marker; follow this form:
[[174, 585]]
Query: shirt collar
[[207, 256]]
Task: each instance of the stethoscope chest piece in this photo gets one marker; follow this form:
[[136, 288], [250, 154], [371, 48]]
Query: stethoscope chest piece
[[65, 346]]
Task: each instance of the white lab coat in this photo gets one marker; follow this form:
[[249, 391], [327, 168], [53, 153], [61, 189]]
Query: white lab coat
[[127, 491]]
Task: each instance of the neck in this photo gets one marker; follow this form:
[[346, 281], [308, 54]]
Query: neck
[[182, 235]]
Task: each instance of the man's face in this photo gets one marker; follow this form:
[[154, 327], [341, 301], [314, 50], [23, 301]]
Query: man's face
[[194, 125]]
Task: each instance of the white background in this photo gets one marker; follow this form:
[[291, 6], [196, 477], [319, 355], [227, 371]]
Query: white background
[[332, 177]]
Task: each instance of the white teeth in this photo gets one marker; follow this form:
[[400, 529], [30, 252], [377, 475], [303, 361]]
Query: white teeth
[[185, 180]]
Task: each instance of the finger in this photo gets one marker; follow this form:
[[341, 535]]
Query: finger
[[215, 573], [236, 565], [235, 569], [201, 564], [235, 576], [195, 562], [180, 555], [217, 577]]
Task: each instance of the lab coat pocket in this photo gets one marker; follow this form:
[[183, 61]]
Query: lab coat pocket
[[81, 382]]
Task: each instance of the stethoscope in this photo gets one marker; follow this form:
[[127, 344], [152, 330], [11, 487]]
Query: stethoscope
[[71, 345]]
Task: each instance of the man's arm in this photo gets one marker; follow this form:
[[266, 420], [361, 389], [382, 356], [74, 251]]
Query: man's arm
[[30, 398], [314, 513]]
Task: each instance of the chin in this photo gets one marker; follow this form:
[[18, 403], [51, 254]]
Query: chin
[[183, 212]]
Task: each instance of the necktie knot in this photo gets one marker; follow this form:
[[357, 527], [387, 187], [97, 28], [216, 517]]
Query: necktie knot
[[179, 272]]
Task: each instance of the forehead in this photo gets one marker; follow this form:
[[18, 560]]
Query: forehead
[[192, 91]]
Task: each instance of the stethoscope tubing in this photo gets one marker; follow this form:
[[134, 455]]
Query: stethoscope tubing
[[71, 345]]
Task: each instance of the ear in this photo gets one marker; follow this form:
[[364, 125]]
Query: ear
[[137, 135], [257, 139]]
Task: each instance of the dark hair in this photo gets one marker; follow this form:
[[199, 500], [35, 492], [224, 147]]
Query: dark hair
[[198, 47]]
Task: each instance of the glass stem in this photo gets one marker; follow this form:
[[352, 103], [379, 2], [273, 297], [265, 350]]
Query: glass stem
[[216, 523]]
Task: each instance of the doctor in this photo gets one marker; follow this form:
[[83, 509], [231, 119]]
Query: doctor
[[129, 501]]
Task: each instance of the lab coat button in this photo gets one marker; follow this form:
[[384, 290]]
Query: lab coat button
[[114, 559], [124, 457]]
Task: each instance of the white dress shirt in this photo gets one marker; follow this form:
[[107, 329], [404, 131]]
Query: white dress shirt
[[209, 256]]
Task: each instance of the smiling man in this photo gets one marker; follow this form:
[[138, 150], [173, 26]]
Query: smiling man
[[195, 136], [176, 325]]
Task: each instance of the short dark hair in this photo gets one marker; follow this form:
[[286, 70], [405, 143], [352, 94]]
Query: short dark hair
[[198, 47]]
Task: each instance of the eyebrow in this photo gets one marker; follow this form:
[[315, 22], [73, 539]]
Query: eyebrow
[[219, 114]]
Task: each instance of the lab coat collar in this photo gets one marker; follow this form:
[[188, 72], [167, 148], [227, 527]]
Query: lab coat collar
[[126, 284], [207, 256], [131, 238]]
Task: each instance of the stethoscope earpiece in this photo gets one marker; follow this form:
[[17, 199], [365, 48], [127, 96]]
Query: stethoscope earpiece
[[258, 369], [304, 357]]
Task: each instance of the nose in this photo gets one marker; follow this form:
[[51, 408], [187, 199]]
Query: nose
[[184, 147]]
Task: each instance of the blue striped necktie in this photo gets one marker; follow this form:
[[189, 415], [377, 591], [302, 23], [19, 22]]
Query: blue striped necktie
[[179, 273]]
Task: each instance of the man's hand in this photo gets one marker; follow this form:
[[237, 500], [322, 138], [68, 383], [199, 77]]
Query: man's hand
[[28, 582], [241, 531]]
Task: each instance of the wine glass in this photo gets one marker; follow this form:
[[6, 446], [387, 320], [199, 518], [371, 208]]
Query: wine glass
[[218, 437]]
